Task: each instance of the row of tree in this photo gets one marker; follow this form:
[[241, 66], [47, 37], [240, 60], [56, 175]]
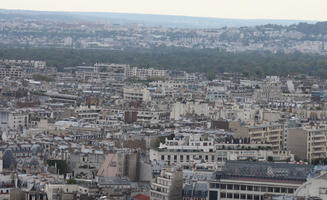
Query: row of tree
[[211, 61]]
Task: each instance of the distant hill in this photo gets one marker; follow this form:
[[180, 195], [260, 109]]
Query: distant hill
[[315, 29], [148, 19]]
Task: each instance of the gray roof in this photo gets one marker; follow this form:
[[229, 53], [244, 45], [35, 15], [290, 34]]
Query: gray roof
[[266, 170]]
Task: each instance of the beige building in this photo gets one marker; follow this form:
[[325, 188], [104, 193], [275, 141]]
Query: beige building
[[316, 142], [136, 94], [308, 142], [167, 186], [119, 165], [274, 134], [122, 164], [65, 191], [297, 143]]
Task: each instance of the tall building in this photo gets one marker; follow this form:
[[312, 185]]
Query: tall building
[[316, 142], [308, 142]]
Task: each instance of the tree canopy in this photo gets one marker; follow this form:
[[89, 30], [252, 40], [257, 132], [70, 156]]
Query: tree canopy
[[210, 61]]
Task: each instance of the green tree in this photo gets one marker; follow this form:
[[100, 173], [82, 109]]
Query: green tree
[[71, 181]]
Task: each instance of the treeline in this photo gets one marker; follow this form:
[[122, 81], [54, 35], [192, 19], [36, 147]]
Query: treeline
[[209, 61], [315, 29]]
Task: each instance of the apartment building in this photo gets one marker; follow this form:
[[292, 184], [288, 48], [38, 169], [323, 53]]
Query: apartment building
[[88, 113], [274, 134], [270, 90], [143, 73], [18, 120], [217, 94], [180, 109], [11, 72], [136, 94], [112, 71], [308, 142], [316, 142], [168, 185], [151, 116], [200, 152]]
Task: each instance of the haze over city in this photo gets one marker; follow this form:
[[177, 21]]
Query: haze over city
[[240, 9]]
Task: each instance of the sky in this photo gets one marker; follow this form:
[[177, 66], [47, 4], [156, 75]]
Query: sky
[[240, 9]]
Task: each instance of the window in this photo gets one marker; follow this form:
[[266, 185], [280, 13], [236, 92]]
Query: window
[[250, 188], [249, 196], [230, 195], [243, 196], [263, 189], [229, 186], [236, 187], [223, 195], [256, 197], [290, 190], [243, 187], [236, 196], [277, 189], [223, 186], [270, 189]]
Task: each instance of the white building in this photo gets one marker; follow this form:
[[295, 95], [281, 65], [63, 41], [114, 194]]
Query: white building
[[180, 109], [18, 120], [216, 94], [12, 72], [200, 151], [68, 41], [143, 73]]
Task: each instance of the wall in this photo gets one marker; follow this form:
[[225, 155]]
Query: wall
[[297, 142]]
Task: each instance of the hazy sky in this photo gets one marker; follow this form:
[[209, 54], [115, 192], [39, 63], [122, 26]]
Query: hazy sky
[[264, 9]]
